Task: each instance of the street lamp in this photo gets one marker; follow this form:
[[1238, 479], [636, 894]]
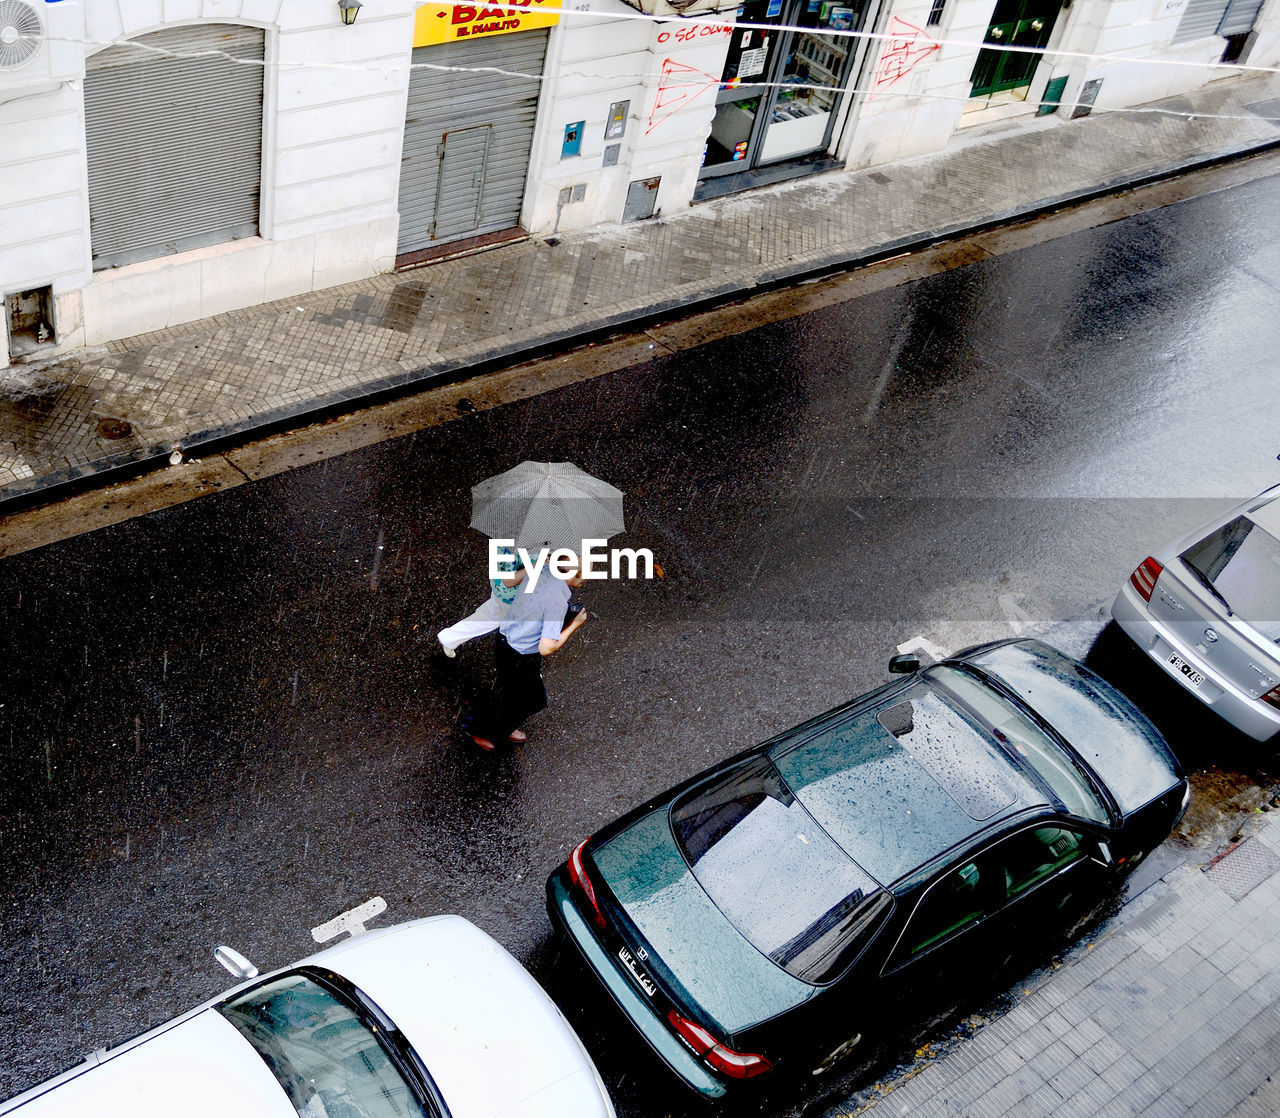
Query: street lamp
[[349, 10]]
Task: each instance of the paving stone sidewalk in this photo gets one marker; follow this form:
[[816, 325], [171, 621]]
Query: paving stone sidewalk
[[1172, 1009], [222, 378]]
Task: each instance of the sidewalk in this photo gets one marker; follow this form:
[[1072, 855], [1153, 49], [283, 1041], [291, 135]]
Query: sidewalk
[[1173, 1008], [285, 363]]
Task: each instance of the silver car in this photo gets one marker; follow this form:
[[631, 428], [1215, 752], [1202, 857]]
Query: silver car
[[1207, 610]]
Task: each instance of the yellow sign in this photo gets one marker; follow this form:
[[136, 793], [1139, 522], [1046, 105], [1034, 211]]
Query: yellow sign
[[446, 23]]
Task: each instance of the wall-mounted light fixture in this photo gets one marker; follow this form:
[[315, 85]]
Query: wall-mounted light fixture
[[349, 10]]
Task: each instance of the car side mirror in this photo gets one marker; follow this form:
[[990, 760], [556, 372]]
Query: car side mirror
[[1104, 857], [905, 663], [236, 963]]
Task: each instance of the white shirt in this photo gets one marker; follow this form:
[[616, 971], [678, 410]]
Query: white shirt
[[535, 615]]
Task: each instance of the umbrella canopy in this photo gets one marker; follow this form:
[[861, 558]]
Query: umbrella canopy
[[546, 504]]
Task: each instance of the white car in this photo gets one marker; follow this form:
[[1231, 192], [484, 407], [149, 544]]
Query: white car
[[428, 1019], [1207, 610]]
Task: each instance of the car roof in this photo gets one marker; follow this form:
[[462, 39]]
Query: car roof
[[1262, 509], [896, 795], [1268, 516]]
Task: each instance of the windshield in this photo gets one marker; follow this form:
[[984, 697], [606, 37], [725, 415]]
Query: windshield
[[1019, 735], [1241, 562], [330, 1064], [776, 875]]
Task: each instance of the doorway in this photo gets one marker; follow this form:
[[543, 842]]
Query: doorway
[[781, 89], [1021, 23], [468, 135]]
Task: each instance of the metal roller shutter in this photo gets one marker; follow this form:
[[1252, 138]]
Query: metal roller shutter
[[175, 144], [1239, 17], [467, 138], [1200, 20]]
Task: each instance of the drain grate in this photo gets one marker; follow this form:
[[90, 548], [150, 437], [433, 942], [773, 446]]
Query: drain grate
[[114, 428], [1247, 866]]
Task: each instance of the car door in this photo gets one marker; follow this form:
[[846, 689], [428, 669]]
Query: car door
[[931, 948], [1054, 874], [971, 916]]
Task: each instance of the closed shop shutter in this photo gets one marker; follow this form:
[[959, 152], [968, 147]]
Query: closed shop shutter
[[467, 138], [1239, 17], [175, 144], [1200, 20]]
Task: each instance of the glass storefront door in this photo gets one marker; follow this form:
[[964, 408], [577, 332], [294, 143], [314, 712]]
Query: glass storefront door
[[738, 101], [765, 121]]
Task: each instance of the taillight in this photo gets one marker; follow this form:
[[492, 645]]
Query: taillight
[[578, 875], [736, 1065], [1144, 578], [1272, 697]]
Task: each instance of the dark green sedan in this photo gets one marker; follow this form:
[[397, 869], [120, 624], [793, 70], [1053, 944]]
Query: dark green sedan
[[758, 915]]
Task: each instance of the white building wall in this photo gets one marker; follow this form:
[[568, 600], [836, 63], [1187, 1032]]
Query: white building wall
[[917, 111], [668, 70], [44, 214], [915, 84], [1134, 31], [1265, 50], [333, 123]]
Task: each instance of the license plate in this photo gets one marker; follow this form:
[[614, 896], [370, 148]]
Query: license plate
[[1179, 665], [646, 983]]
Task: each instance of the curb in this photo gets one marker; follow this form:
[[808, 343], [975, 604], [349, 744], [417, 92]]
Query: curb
[[214, 440]]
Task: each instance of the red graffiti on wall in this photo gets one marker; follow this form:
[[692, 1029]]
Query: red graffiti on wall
[[679, 85], [693, 31], [907, 46]]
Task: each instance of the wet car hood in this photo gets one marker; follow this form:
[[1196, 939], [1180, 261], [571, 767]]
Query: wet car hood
[[719, 970], [491, 1038], [1114, 738], [200, 1068], [493, 1041]]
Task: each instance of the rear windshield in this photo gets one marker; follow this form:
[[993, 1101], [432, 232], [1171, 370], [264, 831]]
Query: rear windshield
[[1241, 560], [777, 876], [327, 1060]]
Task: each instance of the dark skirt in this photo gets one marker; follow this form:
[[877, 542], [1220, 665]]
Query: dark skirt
[[520, 692]]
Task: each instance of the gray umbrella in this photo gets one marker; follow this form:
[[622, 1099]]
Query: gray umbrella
[[546, 504]]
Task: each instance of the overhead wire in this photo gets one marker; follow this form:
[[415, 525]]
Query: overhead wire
[[676, 79]]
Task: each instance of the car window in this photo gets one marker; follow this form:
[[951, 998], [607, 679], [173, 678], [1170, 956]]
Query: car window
[[936, 735], [1241, 560], [1033, 856], [777, 876], [980, 887], [1020, 735], [1103, 729], [960, 899], [330, 1064]]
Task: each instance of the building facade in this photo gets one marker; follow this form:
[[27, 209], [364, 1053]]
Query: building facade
[[163, 161]]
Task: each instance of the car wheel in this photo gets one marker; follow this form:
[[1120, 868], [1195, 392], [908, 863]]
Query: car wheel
[[838, 1054]]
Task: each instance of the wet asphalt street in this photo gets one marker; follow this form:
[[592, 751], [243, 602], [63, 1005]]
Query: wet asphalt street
[[228, 721]]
